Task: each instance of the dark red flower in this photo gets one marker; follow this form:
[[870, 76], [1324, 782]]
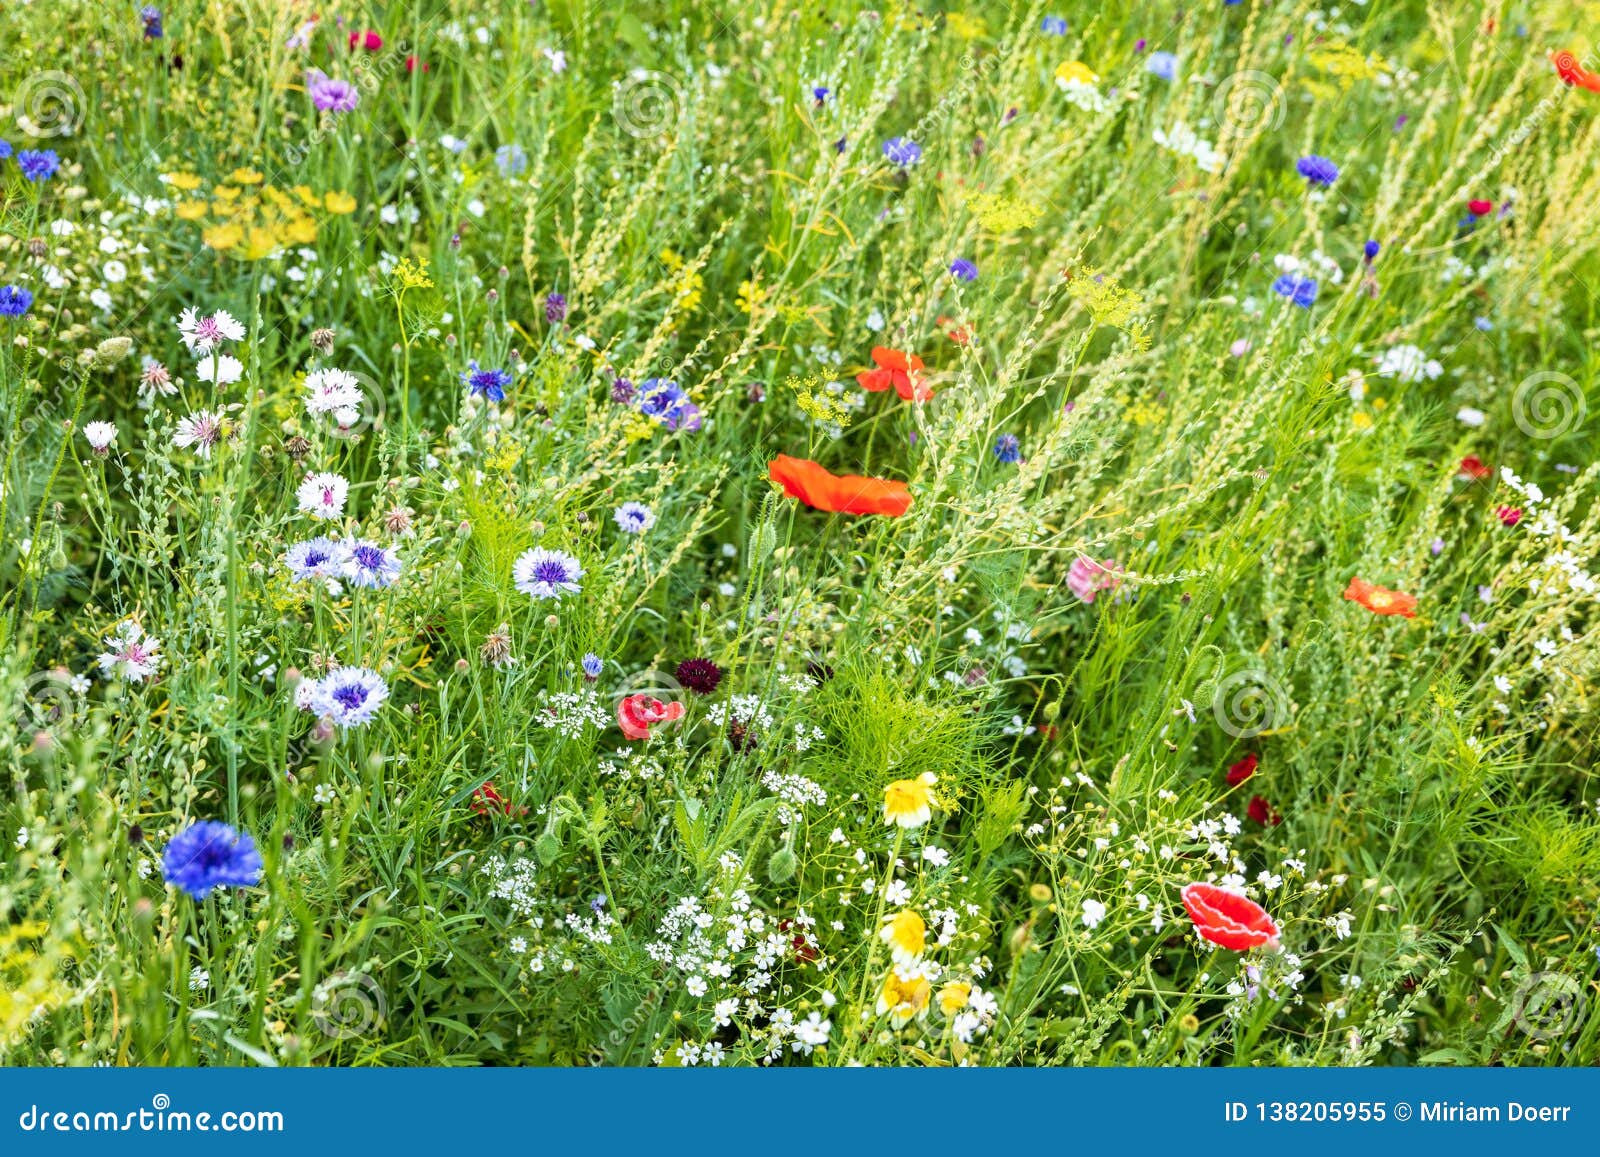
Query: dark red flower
[[1228, 918], [699, 675], [1243, 770], [1510, 515], [1472, 467], [1263, 812]]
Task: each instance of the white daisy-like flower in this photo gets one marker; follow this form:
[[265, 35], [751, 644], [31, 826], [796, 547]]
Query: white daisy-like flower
[[204, 334], [547, 574], [329, 391], [322, 495], [221, 369], [130, 654], [100, 436]]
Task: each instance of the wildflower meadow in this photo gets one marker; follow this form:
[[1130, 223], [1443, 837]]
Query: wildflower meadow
[[799, 534]]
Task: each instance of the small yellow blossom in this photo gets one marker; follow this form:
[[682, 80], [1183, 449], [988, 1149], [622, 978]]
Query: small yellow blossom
[[1076, 72], [222, 237], [953, 997], [909, 802], [340, 203], [185, 182], [244, 177], [190, 210], [904, 997]]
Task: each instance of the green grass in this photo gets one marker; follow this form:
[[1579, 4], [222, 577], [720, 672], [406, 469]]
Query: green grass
[[1435, 869]]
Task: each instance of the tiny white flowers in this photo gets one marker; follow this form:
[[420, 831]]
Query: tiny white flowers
[[322, 496]]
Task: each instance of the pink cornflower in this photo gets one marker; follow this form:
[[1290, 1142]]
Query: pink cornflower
[[1087, 578], [202, 430], [130, 654], [322, 495], [204, 334]]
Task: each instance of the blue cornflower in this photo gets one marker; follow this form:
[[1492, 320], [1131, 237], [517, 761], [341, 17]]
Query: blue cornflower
[[208, 855], [320, 558], [1318, 170], [1163, 64], [820, 93], [510, 160], [1300, 290], [367, 564], [38, 164], [1053, 26], [14, 301], [666, 402], [5, 149], [902, 151], [1483, 324], [963, 270], [546, 574], [592, 665], [634, 517], [1370, 250], [350, 696], [1007, 448], [150, 16], [490, 383]]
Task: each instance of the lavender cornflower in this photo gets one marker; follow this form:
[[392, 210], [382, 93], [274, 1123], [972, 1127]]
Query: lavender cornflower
[[1318, 170], [38, 164], [622, 391], [593, 665], [1162, 64], [1300, 290], [366, 564], [490, 383], [963, 270], [150, 17], [667, 403], [555, 308], [546, 574], [1007, 448], [330, 94], [511, 160], [5, 150], [209, 855], [14, 301], [350, 696], [1053, 26], [319, 558], [634, 517], [902, 152]]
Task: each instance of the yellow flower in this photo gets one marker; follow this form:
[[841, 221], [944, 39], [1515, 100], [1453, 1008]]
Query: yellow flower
[[311, 200], [953, 997], [298, 230], [904, 997], [1076, 71], [225, 193], [340, 203], [244, 177], [223, 236], [258, 243], [186, 182], [909, 802], [907, 935], [190, 210]]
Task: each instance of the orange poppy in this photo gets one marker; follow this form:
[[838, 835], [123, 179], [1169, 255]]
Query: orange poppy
[[903, 371], [839, 493], [1381, 600], [1571, 72]]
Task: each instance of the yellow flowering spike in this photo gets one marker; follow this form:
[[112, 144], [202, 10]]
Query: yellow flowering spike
[[999, 214], [909, 802], [339, 203]]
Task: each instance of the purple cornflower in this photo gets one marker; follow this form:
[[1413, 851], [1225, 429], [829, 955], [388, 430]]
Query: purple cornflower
[[38, 164], [330, 94], [546, 574], [963, 270], [366, 564], [1300, 290], [150, 17], [622, 391], [1318, 170], [593, 665], [511, 160], [634, 517], [14, 301], [666, 402], [490, 383], [902, 152], [555, 308], [209, 855], [1007, 448]]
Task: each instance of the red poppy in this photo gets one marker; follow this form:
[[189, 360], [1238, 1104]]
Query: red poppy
[[839, 493], [369, 40], [903, 371], [1480, 208], [486, 799], [637, 713], [1570, 71], [1243, 770], [1472, 467], [1262, 812], [412, 62], [1229, 919], [1381, 600], [956, 331], [1510, 515]]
